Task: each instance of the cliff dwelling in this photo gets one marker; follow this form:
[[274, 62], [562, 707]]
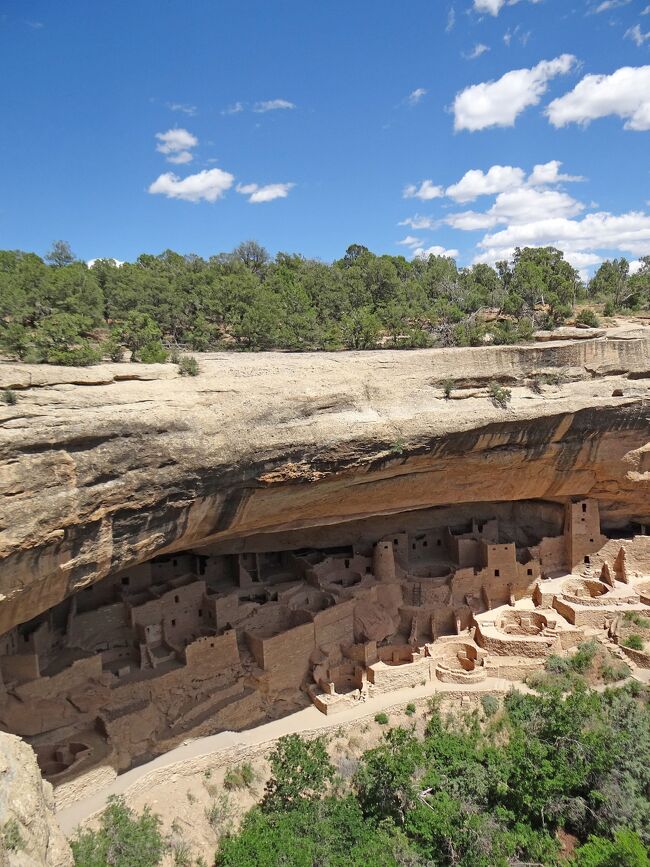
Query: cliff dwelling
[[208, 639]]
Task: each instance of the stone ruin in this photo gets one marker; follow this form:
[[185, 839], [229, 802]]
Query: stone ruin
[[197, 642]]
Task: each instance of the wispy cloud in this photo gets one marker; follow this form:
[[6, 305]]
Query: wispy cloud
[[637, 35], [184, 108], [478, 49], [176, 145], [272, 105], [235, 108], [410, 241], [259, 194], [208, 185], [417, 221], [451, 19], [426, 191], [607, 5], [416, 96], [35, 25]]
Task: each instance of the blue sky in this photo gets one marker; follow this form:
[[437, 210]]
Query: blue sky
[[135, 125]]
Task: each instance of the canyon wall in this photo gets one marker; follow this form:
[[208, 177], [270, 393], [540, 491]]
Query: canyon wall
[[108, 466]]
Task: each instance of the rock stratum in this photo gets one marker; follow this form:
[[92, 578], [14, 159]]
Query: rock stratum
[[105, 467]]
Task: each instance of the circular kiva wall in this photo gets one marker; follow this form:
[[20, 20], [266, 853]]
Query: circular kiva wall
[[516, 633], [460, 663], [583, 591]]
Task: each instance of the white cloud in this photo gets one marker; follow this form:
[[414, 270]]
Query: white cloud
[[646, 11], [451, 19], [410, 241], [498, 103], [636, 264], [235, 108], [426, 191], [272, 105], [470, 221], [477, 51], [625, 93], [493, 7], [415, 96], [606, 5], [475, 183], [257, 195], [627, 233], [422, 253], [184, 108], [636, 35], [175, 144], [549, 173], [208, 185], [528, 204], [419, 222]]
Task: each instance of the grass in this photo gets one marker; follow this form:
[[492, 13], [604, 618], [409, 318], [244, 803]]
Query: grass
[[381, 718], [499, 395], [637, 619], [634, 642], [9, 397], [410, 709], [240, 777]]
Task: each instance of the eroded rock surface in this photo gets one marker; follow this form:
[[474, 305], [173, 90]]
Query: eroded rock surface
[[31, 836], [104, 468]]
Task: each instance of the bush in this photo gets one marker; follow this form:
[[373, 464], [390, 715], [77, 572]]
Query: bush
[[299, 769], [582, 659], [122, 840], [9, 397], [410, 709], [219, 814], [114, 349], [11, 839], [588, 317], [615, 670], [188, 366], [499, 395], [490, 704], [381, 718], [241, 777], [447, 388], [634, 642], [609, 309], [637, 618], [152, 353]]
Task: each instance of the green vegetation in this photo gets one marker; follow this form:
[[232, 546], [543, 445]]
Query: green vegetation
[[637, 619], [299, 770], [240, 777], [9, 397], [11, 839], [188, 366], [476, 795], [122, 840], [588, 317], [57, 310], [499, 395], [634, 642], [615, 670], [490, 705], [447, 388], [409, 710], [381, 718]]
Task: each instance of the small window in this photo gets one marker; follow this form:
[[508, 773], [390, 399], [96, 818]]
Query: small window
[[496, 573], [591, 540], [177, 599], [529, 571], [587, 560], [413, 546], [175, 562], [173, 623], [425, 543], [584, 507], [395, 542], [200, 612], [347, 564], [125, 581], [439, 542]]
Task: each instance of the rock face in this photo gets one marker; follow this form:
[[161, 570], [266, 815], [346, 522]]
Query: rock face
[[31, 835], [106, 467]]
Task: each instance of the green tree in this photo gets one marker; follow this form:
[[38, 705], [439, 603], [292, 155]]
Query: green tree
[[60, 254], [299, 769], [625, 850], [122, 840]]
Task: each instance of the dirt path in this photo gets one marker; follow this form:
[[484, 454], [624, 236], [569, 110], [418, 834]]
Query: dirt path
[[307, 720]]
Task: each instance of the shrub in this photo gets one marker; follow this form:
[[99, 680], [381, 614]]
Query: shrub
[[397, 447], [9, 397], [447, 388], [634, 642], [499, 395], [241, 777], [584, 656], [219, 813], [152, 353], [615, 670], [490, 704], [609, 309], [410, 709], [188, 366], [114, 349], [381, 718], [11, 838], [637, 618], [299, 769], [588, 317], [122, 840]]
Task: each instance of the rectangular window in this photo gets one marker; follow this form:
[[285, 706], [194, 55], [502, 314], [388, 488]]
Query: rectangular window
[[496, 573]]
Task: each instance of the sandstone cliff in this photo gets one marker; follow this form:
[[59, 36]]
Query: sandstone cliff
[[107, 466], [29, 833]]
